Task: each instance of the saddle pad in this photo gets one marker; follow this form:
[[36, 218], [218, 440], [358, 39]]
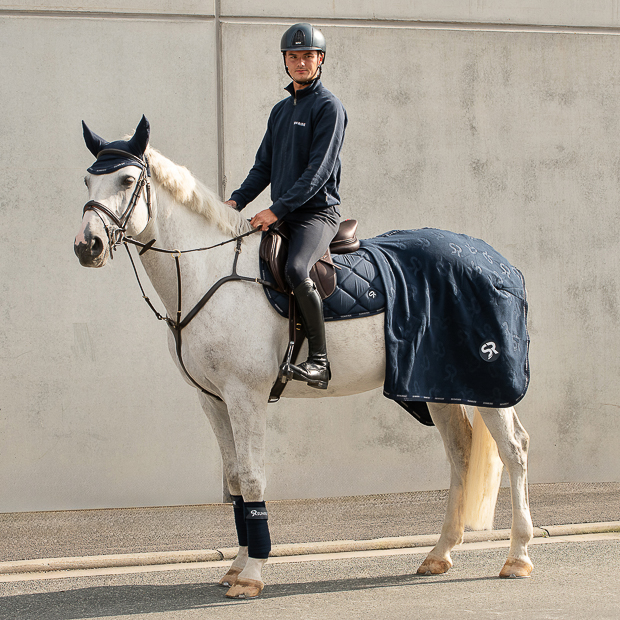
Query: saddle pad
[[359, 290]]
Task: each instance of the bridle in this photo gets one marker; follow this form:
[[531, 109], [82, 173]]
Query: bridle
[[116, 233], [117, 236]]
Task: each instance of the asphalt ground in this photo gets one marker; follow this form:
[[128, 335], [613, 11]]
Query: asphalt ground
[[36, 535], [574, 577]]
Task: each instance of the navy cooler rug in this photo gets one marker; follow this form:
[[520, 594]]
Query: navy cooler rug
[[455, 320], [455, 317]]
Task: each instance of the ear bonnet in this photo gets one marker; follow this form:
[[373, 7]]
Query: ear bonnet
[[112, 156]]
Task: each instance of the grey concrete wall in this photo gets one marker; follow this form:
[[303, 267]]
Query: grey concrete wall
[[501, 124], [93, 412]]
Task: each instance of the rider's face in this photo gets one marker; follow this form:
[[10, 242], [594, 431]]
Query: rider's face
[[303, 65]]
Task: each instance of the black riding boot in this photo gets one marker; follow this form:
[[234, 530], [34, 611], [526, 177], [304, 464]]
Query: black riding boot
[[315, 370]]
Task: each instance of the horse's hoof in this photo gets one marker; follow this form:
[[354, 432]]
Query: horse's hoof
[[230, 578], [245, 588], [515, 569], [433, 566]]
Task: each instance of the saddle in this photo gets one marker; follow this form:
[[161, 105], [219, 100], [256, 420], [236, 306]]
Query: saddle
[[274, 251]]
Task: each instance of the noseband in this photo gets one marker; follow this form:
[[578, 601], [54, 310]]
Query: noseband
[[116, 233]]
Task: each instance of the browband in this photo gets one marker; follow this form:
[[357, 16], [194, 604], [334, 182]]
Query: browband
[[124, 155]]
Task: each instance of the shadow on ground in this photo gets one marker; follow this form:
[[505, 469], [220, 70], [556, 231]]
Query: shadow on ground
[[127, 600]]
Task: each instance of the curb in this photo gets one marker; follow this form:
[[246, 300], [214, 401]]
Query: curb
[[286, 550]]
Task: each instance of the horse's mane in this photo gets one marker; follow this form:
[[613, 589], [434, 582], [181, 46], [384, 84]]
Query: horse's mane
[[190, 192]]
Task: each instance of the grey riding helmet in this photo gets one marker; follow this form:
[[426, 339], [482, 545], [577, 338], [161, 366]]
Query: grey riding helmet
[[302, 37]]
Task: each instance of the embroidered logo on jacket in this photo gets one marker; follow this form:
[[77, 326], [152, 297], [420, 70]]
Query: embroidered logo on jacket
[[298, 123]]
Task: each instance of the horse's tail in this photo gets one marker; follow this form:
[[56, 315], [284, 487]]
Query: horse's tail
[[483, 478]]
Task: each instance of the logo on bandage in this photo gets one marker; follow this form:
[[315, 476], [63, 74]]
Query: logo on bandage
[[256, 513]]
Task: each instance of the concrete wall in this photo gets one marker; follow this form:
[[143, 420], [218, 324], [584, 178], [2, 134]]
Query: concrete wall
[[499, 122]]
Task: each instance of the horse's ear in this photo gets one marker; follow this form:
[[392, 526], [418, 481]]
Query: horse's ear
[[140, 140], [93, 141]]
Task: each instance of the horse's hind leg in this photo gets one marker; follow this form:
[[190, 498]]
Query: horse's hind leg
[[512, 444], [455, 430]]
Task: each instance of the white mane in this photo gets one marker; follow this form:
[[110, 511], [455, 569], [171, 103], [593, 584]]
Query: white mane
[[191, 193]]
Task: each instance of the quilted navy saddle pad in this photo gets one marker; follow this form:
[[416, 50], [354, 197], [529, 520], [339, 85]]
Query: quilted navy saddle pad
[[359, 290]]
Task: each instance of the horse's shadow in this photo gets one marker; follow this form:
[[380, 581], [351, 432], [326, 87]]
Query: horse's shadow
[[126, 600]]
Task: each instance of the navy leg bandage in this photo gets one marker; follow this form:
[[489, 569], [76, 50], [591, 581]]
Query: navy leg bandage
[[259, 541], [239, 510]]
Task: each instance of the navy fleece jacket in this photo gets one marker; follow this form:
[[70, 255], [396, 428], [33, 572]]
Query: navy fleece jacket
[[300, 153]]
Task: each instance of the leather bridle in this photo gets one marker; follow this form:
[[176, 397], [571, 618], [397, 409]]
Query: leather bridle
[[116, 236], [116, 233]]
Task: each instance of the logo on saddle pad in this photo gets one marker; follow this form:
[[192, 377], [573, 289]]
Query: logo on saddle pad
[[489, 351]]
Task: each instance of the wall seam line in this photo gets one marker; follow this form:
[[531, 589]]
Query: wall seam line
[[427, 24], [342, 22], [221, 180], [107, 15]]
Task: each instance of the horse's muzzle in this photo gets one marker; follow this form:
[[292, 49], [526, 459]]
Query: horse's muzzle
[[91, 251]]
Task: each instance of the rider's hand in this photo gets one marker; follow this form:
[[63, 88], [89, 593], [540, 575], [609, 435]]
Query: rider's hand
[[264, 219], [231, 203]]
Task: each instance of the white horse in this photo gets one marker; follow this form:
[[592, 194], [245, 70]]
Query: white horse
[[234, 345]]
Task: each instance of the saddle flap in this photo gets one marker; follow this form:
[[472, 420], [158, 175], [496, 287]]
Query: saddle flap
[[323, 274], [274, 250]]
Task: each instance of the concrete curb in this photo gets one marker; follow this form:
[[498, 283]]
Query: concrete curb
[[338, 546]]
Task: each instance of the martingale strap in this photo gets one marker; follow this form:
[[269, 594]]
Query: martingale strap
[[176, 325]]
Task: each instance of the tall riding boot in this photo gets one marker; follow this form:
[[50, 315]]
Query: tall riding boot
[[315, 370]]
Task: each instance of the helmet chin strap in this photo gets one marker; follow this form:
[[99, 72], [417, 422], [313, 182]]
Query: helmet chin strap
[[316, 77]]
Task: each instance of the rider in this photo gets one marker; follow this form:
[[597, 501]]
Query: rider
[[300, 157]]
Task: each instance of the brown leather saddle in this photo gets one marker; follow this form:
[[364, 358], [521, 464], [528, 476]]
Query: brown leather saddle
[[274, 251]]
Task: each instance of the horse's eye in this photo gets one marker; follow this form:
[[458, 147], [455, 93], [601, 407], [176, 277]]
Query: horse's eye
[[86, 181], [128, 181]]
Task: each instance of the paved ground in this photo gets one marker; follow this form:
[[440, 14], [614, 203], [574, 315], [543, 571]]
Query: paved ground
[[572, 579], [97, 532]]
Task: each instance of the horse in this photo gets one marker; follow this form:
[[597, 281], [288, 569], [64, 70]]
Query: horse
[[231, 349]]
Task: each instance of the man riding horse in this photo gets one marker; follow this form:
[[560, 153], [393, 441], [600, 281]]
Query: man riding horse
[[300, 157]]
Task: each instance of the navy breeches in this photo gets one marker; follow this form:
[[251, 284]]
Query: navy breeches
[[311, 232]]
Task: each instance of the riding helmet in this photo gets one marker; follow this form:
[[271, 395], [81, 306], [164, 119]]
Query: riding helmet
[[302, 36]]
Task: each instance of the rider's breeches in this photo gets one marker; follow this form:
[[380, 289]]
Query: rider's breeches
[[310, 236]]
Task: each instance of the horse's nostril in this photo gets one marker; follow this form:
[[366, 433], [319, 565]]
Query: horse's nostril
[[96, 247]]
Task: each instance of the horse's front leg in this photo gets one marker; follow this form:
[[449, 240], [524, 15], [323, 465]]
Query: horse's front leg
[[217, 413], [247, 412], [512, 443], [455, 430]]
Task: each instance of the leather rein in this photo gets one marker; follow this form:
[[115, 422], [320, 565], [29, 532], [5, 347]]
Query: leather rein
[[116, 236]]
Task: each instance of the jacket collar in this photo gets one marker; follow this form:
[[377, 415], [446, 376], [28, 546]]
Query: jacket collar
[[304, 92]]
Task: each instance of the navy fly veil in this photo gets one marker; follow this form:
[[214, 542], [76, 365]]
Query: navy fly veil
[[455, 317]]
